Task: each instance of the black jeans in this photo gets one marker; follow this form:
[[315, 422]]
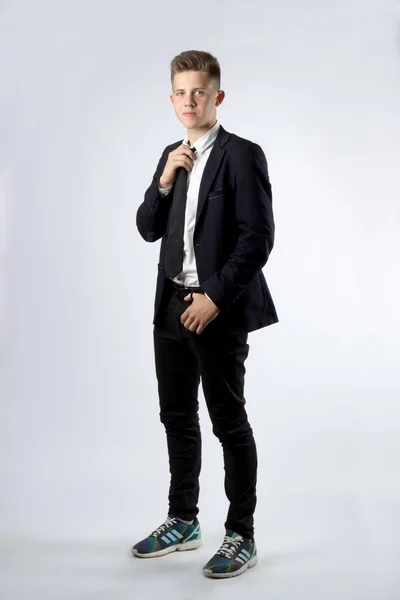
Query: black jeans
[[181, 358]]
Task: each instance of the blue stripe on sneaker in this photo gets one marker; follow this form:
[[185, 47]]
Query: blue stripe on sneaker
[[171, 536], [244, 551], [165, 539], [178, 535]]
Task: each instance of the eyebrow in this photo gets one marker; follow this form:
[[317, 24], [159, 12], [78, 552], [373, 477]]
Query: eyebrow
[[194, 89]]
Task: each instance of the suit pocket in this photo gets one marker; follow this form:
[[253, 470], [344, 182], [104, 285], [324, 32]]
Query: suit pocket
[[213, 196]]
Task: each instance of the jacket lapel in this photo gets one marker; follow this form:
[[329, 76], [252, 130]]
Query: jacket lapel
[[210, 170]]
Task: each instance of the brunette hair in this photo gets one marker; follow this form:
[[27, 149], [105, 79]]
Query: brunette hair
[[197, 60]]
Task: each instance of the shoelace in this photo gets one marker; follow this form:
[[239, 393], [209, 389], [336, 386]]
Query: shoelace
[[164, 526], [229, 546]]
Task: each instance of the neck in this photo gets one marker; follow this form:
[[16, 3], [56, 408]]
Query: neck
[[195, 134]]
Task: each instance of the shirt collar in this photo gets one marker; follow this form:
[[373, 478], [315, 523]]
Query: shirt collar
[[206, 140]]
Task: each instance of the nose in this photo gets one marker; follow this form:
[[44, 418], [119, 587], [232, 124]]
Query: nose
[[189, 101]]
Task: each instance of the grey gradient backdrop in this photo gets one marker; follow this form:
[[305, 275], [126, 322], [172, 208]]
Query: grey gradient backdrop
[[84, 116]]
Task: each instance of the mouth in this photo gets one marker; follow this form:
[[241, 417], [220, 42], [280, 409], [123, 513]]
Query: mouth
[[189, 114]]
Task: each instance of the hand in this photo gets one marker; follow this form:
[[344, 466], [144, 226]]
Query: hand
[[182, 156], [200, 313]]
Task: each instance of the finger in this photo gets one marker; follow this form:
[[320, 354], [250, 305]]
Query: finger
[[185, 162], [186, 154], [187, 298], [186, 150], [182, 151], [185, 316], [188, 164], [191, 323]]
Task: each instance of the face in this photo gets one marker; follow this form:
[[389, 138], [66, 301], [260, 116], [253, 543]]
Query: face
[[195, 99]]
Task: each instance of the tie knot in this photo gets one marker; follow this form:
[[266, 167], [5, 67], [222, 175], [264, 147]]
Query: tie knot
[[193, 149]]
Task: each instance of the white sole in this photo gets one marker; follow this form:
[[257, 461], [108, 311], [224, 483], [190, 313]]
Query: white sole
[[252, 563], [193, 545]]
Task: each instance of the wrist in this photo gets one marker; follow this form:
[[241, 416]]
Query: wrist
[[164, 184], [212, 302]]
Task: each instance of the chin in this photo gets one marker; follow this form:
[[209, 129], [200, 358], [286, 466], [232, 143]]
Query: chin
[[194, 125]]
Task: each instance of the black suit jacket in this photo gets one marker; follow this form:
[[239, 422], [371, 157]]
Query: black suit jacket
[[233, 236]]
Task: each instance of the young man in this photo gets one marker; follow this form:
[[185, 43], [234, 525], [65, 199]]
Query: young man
[[210, 203]]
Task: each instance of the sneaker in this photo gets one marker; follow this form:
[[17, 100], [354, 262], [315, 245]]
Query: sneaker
[[233, 558], [170, 536]]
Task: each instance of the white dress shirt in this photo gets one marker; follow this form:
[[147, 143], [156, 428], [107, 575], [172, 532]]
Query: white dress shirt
[[203, 145]]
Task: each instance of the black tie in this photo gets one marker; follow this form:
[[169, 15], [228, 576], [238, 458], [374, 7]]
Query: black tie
[[174, 246]]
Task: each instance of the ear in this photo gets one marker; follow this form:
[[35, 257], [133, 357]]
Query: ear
[[220, 97]]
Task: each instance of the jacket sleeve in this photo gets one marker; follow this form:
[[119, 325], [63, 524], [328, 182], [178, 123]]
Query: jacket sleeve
[[255, 222], [152, 214]]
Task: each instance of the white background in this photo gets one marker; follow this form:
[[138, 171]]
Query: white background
[[84, 117]]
